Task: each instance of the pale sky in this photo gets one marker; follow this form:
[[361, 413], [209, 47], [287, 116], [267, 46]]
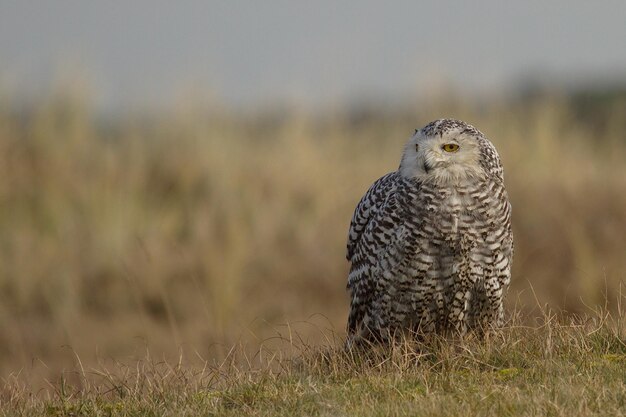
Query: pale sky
[[256, 52]]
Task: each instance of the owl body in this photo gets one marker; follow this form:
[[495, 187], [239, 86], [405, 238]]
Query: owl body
[[430, 245]]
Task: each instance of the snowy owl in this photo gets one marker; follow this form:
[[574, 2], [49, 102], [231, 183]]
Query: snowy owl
[[430, 245]]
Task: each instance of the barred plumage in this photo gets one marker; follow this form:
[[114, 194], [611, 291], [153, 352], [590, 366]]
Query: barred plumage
[[430, 245]]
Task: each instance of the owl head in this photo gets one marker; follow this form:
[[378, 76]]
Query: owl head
[[448, 151]]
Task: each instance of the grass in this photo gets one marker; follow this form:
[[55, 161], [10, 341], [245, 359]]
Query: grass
[[183, 234], [560, 367]]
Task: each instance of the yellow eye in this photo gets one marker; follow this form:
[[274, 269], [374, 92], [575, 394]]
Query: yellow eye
[[450, 147]]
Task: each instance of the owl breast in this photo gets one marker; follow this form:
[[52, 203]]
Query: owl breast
[[453, 214], [448, 258]]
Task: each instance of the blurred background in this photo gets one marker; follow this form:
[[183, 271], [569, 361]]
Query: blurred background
[[176, 177]]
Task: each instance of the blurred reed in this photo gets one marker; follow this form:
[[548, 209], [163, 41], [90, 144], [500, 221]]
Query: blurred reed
[[202, 226]]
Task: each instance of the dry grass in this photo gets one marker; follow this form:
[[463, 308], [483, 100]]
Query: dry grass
[[569, 367], [194, 230]]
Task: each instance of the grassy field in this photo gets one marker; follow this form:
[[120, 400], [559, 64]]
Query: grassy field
[[185, 233], [557, 368]]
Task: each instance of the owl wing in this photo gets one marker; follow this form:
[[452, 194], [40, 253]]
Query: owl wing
[[369, 205], [364, 246]]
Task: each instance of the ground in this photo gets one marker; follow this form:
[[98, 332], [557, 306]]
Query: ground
[[567, 367]]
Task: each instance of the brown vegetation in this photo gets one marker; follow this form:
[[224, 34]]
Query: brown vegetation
[[193, 230], [557, 367]]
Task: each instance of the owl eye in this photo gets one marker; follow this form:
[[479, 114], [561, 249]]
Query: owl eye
[[450, 147]]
